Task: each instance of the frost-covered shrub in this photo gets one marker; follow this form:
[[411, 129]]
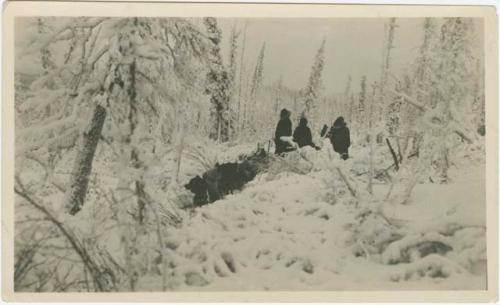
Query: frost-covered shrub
[[414, 246], [373, 233], [433, 266]]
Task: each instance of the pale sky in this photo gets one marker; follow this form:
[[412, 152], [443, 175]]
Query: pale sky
[[353, 46]]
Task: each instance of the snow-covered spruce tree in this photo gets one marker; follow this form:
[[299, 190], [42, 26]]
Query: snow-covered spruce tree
[[52, 112], [455, 86], [312, 90], [233, 106], [241, 95], [423, 80], [346, 97], [52, 115], [361, 110], [425, 63], [279, 96], [444, 88], [381, 98], [255, 87], [137, 56], [352, 111], [218, 84], [394, 113], [478, 104], [45, 53], [407, 117], [370, 112], [444, 85], [131, 73]]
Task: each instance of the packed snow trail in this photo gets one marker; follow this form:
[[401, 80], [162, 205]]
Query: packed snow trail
[[291, 231]]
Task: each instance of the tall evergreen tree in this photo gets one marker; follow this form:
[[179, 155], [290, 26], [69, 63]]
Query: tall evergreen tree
[[119, 89], [217, 84], [233, 52], [454, 90], [346, 97], [45, 53], [393, 113], [382, 100], [255, 86], [361, 114], [242, 103], [478, 104], [312, 90], [279, 95]]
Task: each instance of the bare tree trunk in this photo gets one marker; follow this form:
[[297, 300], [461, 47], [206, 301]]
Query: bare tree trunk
[[134, 155], [180, 149], [229, 128], [393, 153], [83, 163], [370, 130], [127, 236], [400, 154], [408, 146], [444, 165], [370, 176], [351, 189], [219, 123], [141, 202]]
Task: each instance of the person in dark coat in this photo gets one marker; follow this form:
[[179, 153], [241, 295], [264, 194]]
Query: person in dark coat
[[283, 129], [302, 134], [340, 138]]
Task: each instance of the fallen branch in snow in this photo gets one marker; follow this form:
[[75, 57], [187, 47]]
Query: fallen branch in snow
[[424, 108], [409, 100], [379, 172], [349, 186], [100, 282], [464, 137]]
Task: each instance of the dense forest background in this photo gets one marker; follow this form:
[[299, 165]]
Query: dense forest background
[[115, 115]]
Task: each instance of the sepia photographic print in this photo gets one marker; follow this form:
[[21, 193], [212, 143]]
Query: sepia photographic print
[[253, 149]]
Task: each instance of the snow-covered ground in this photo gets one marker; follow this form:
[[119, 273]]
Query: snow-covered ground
[[297, 226], [287, 231]]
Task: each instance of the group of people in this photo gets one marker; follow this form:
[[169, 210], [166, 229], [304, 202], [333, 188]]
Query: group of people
[[225, 178], [338, 135]]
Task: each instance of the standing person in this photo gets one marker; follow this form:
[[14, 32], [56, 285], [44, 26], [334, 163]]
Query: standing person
[[283, 129], [340, 138], [302, 134]]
